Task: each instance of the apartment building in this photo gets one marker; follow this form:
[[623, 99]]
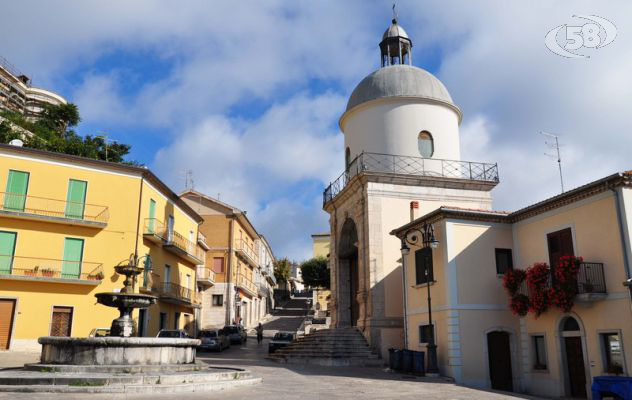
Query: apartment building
[[483, 341], [241, 261], [65, 222], [17, 94]]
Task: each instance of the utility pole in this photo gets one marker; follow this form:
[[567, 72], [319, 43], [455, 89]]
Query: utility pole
[[554, 146]]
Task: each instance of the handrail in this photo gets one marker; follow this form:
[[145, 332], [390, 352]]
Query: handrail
[[205, 273], [408, 165], [242, 245], [34, 267], [179, 292], [155, 227], [243, 281], [590, 279], [46, 207]]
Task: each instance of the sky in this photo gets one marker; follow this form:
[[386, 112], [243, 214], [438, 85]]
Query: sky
[[247, 94]]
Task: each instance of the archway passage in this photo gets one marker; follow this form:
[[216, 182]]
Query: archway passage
[[348, 274], [574, 352], [499, 353]]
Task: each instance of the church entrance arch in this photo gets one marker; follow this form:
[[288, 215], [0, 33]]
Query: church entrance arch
[[348, 275]]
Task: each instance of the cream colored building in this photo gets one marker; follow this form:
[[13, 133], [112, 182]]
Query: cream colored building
[[480, 342], [241, 260], [401, 135]]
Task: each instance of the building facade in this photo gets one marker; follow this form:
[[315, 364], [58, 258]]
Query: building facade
[[401, 135], [241, 261], [320, 247], [63, 229], [18, 95], [480, 341]]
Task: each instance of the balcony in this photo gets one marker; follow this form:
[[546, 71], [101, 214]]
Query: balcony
[[202, 241], [412, 166], [205, 276], [155, 231], [51, 210], [50, 270], [591, 283], [246, 284], [174, 293], [247, 252]]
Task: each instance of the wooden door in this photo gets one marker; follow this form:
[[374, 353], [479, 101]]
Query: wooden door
[[61, 324], [7, 312], [560, 245], [353, 290], [499, 353], [575, 366]]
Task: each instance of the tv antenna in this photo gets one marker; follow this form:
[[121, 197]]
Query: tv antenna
[[553, 143], [188, 179], [395, 11]]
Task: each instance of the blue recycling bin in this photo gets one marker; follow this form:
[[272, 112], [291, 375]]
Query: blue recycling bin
[[612, 385], [395, 359], [407, 361], [419, 362]]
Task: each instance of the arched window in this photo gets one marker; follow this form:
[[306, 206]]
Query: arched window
[[570, 324], [426, 144], [347, 159]]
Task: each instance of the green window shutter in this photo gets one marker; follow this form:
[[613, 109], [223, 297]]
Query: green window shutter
[[73, 255], [76, 199], [15, 196], [7, 249], [152, 215]]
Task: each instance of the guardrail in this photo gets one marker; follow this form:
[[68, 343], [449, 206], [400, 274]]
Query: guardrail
[[590, 279], [246, 284], [159, 232], [241, 246], [33, 267], [32, 206], [406, 165], [174, 291], [205, 273]]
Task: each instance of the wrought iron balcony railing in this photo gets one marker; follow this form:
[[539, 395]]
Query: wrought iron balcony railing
[[406, 165], [173, 291], [205, 275], [53, 210], [17, 267], [590, 280], [246, 250], [173, 241]]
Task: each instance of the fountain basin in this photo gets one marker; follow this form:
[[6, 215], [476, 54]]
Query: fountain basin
[[117, 350]]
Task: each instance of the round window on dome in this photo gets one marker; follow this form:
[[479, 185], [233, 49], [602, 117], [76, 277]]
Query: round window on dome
[[426, 144]]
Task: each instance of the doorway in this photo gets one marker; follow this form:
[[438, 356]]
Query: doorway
[[142, 319], [499, 353], [348, 275], [7, 313], [574, 358], [61, 324]]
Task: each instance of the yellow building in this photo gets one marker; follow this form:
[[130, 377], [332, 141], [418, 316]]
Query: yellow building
[[65, 222], [242, 262], [480, 341]]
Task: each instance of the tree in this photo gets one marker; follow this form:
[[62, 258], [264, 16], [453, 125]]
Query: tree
[[60, 117], [282, 270], [316, 272]]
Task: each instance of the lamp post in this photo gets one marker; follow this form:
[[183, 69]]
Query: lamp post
[[426, 238]]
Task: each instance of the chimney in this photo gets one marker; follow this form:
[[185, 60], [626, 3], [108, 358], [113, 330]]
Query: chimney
[[414, 210]]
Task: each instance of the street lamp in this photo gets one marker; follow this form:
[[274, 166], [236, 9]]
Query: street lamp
[[425, 238]]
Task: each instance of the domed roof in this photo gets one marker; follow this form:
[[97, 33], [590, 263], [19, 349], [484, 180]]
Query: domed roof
[[395, 30], [399, 81]]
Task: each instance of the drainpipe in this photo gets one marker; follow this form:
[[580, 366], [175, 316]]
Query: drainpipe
[[626, 261], [404, 293], [228, 272]]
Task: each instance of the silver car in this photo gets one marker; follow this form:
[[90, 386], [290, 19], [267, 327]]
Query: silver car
[[172, 333], [236, 333], [213, 339]]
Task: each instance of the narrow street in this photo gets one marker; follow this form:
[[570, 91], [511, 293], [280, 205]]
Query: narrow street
[[282, 381]]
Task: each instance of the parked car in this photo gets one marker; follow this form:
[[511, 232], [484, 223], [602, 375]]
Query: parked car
[[173, 333], [99, 332], [236, 333], [280, 339], [213, 339]]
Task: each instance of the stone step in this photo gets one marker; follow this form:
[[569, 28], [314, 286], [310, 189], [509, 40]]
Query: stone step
[[330, 361]]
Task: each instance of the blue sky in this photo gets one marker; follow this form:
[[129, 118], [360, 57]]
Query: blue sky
[[248, 94]]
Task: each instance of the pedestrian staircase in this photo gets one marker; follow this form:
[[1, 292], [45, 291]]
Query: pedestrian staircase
[[329, 347]]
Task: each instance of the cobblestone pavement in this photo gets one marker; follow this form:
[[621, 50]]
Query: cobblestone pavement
[[289, 381]]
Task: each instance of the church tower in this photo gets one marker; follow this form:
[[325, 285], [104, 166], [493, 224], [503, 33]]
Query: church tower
[[402, 150]]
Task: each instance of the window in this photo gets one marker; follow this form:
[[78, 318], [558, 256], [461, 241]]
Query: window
[[426, 144], [539, 352], [504, 261], [218, 265], [176, 321], [425, 333], [613, 353], [17, 185], [163, 320], [152, 216], [423, 266], [347, 159], [76, 199], [218, 300]]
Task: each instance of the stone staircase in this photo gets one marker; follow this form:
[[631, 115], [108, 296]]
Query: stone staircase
[[329, 347]]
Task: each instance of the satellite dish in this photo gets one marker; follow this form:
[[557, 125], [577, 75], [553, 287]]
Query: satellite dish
[[16, 142]]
